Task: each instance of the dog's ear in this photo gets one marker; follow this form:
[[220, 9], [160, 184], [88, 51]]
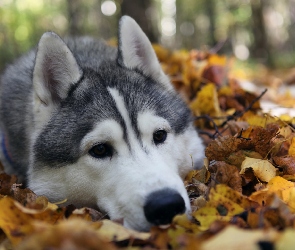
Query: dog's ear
[[136, 52], [55, 71]]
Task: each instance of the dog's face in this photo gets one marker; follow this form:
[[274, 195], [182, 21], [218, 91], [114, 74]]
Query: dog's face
[[116, 137]]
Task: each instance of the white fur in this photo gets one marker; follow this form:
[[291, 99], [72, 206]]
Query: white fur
[[120, 184], [137, 51]]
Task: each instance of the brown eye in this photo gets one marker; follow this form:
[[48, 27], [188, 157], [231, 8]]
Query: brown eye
[[101, 151], [159, 136]]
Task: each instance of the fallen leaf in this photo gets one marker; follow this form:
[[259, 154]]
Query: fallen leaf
[[206, 102], [263, 169], [235, 238], [287, 163], [222, 205], [222, 147], [286, 241], [292, 147], [75, 234], [16, 220], [112, 231], [223, 173]]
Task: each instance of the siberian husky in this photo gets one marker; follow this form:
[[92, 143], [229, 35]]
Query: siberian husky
[[100, 127]]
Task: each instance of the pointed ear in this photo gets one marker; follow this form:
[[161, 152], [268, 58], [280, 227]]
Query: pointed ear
[[55, 71], [136, 52]]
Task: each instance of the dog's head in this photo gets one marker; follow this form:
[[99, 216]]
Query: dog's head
[[110, 131]]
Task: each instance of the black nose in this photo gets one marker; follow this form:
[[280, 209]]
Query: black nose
[[161, 206]]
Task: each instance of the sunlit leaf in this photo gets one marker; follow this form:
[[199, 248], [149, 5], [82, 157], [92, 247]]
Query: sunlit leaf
[[264, 170]]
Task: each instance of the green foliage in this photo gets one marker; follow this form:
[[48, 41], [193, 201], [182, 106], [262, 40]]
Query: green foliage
[[212, 23], [23, 22]]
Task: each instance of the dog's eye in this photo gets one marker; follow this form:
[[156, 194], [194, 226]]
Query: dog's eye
[[159, 136], [101, 151]]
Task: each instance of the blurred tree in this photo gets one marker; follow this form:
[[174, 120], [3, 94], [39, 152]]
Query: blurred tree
[[74, 9], [141, 12], [264, 26], [260, 47], [211, 13]]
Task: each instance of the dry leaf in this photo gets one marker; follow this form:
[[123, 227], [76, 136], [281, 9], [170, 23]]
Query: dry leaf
[[16, 220], [223, 173], [223, 204], [292, 147], [112, 231], [75, 234], [207, 101], [287, 163], [263, 170], [235, 238]]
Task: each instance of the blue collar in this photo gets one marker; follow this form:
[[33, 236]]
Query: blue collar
[[5, 151]]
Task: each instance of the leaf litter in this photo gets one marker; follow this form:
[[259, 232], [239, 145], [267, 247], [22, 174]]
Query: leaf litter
[[243, 197]]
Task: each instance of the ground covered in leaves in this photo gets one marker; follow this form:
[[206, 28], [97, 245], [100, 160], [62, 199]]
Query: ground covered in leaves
[[243, 197]]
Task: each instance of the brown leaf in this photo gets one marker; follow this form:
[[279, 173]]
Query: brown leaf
[[237, 126], [262, 138], [16, 220], [6, 182], [222, 147], [223, 173], [237, 158], [75, 234], [24, 196], [287, 163]]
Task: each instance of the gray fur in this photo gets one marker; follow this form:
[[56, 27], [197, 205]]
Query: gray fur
[[100, 70], [53, 102]]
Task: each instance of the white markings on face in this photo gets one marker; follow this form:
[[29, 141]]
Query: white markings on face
[[148, 123], [108, 131], [120, 104]]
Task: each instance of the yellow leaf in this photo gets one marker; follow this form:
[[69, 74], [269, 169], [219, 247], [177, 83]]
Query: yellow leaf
[[15, 224], [264, 170], [260, 196], [215, 59], [225, 90], [286, 131], [111, 231], [292, 147], [286, 241], [207, 101], [284, 189], [221, 206], [285, 117], [66, 234], [233, 195], [235, 238], [279, 183], [291, 200], [16, 220], [207, 215], [258, 120], [184, 222]]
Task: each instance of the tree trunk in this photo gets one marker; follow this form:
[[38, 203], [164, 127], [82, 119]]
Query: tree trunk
[[210, 11], [261, 48], [139, 11], [74, 16]]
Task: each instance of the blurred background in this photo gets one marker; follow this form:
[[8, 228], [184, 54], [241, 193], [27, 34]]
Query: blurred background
[[258, 30]]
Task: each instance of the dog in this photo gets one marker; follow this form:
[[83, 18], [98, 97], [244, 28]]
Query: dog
[[99, 126]]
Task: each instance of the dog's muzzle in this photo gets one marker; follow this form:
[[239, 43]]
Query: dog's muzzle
[[162, 205]]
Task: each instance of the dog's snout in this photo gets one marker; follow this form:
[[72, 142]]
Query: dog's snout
[[161, 206]]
